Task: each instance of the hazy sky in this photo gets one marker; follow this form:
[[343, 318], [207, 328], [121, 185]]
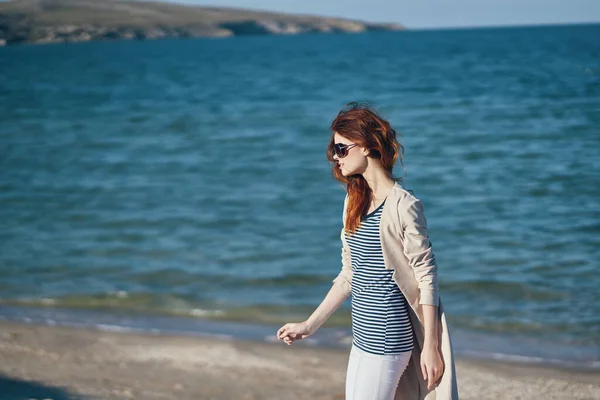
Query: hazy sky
[[433, 13]]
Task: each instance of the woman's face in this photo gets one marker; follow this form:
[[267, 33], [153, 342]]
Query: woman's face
[[355, 162]]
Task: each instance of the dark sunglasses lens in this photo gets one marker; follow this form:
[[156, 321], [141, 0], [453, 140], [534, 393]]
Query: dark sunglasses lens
[[340, 150]]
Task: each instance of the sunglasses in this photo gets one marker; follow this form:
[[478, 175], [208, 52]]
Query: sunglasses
[[341, 150]]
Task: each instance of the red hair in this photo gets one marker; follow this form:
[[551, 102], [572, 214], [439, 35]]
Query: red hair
[[361, 124]]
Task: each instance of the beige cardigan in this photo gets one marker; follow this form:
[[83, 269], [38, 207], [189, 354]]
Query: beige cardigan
[[407, 250]]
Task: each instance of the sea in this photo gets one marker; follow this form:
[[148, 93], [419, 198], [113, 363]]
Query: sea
[[181, 186]]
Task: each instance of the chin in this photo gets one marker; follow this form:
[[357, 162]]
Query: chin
[[346, 172]]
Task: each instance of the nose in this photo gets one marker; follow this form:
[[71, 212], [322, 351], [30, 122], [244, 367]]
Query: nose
[[335, 157]]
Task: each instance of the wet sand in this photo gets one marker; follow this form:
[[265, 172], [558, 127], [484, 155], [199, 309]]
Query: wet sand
[[61, 363]]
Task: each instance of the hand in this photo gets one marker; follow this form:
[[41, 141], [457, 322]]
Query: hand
[[291, 332], [432, 365]]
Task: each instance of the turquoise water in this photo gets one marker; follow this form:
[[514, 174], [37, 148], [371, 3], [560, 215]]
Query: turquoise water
[[188, 178]]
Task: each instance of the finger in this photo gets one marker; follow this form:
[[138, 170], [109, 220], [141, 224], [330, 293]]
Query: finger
[[423, 370], [282, 332], [438, 375], [431, 380]]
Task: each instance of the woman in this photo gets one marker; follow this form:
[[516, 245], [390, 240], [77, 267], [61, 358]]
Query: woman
[[401, 346]]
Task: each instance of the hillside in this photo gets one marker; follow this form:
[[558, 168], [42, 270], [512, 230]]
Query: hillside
[[50, 21]]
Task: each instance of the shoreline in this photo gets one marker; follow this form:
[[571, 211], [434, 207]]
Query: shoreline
[[505, 348], [38, 360]]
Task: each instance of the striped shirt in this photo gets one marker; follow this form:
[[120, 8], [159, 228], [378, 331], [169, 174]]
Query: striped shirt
[[380, 320]]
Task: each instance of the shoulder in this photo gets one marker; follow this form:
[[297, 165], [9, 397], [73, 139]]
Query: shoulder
[[408, 206], [403, 197]]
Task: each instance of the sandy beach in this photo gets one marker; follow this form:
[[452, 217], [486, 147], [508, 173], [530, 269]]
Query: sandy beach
[[60, 363]]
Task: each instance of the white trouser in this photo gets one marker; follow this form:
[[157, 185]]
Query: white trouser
[[372, 376]]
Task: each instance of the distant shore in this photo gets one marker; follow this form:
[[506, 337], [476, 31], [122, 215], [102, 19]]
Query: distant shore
[[68, 363], [54, 21]]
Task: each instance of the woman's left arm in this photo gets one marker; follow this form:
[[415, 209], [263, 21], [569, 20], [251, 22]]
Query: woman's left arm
[[417, 248], [432, 364]]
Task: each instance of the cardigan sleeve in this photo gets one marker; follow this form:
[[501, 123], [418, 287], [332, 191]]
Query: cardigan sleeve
[[344, 277], [418, 250]]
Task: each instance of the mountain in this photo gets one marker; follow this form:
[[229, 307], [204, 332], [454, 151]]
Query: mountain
[[51, 21]]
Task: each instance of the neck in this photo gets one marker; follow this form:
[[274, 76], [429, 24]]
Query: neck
[[378, 179]]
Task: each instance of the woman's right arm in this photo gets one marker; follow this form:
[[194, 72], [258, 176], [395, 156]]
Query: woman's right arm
[[336, 296], [332, 301], [291, 332], [338, 293]]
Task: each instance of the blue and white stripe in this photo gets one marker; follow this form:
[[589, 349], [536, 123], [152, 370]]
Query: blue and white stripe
[[380, 320]]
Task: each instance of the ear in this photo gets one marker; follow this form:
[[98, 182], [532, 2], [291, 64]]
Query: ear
[[365, 151]]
